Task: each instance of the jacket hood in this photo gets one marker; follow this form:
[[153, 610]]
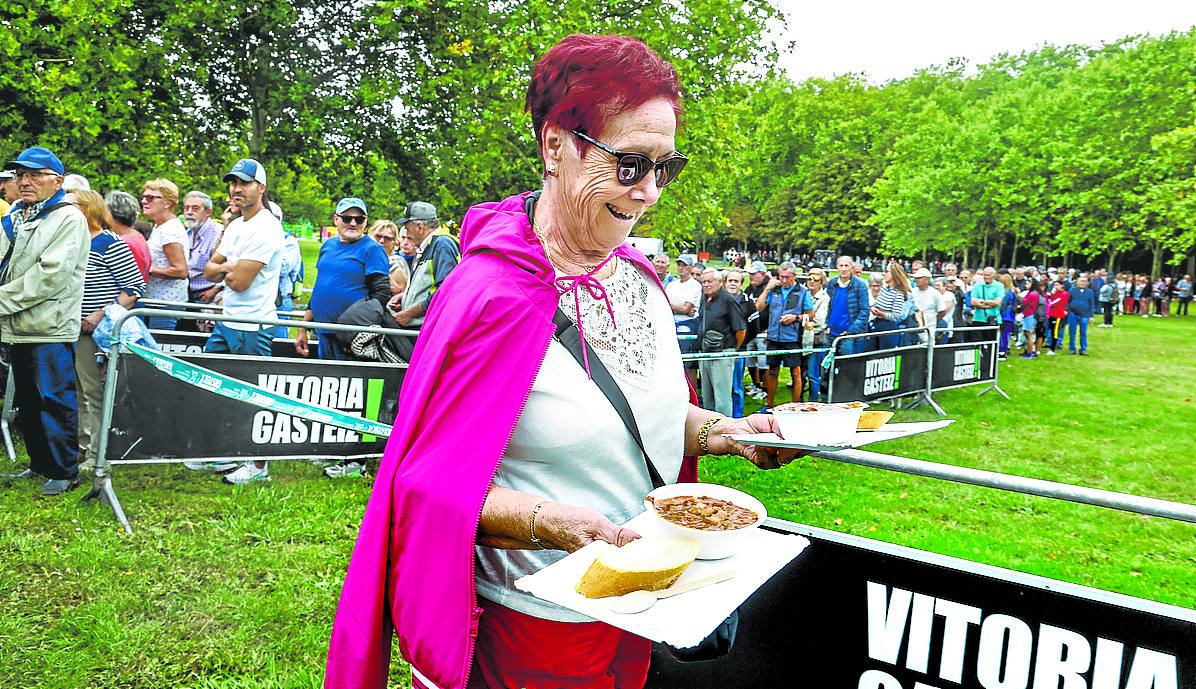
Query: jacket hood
[[502, 227]]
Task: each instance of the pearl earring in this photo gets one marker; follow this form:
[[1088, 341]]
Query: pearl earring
[[552, 169]]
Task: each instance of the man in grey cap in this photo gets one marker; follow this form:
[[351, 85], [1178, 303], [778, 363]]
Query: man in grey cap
[[45, 245], [438, 254]]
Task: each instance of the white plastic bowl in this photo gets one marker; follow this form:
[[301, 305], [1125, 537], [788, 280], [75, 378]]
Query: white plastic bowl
[[829, 425], [715, 544]]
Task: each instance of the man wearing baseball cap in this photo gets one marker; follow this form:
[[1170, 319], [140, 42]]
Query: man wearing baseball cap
[[44, 244], [931, 308], [247, 262], [351, 267], [8, 190], [438, 254]]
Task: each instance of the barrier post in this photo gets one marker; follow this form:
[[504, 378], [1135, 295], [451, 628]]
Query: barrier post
[[995, 369], [102, 486], [8, 414]]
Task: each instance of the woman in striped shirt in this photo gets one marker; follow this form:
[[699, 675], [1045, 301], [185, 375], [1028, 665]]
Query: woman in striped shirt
[[112, 276], [890, 307]]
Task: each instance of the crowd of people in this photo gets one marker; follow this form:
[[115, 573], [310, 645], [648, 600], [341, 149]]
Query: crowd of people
[[74, 259], [789, 310]]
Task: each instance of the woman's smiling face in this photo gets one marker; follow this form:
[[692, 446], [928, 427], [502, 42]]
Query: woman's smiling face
[[597, 211]]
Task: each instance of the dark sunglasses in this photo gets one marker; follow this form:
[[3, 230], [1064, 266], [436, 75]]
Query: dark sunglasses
[[631, 167], [352, 219]]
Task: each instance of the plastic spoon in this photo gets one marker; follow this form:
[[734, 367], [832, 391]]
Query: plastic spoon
[[639, 601]]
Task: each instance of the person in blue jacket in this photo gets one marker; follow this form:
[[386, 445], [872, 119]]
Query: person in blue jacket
[[848, 311], [788, 306], [1081, 305]]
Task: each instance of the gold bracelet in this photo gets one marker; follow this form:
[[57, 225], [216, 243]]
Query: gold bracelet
[[536, 510], [704, 434]]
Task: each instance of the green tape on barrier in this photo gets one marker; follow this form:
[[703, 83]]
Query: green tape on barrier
[[239, 390]]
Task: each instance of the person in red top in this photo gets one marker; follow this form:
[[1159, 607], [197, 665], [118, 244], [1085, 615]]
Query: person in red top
[[1056, 315], [1030, 303]]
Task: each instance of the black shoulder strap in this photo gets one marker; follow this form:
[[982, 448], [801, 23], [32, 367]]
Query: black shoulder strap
[[570, 338]]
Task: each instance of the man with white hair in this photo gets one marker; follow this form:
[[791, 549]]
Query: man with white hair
[[73, 182], [204, 233], [722, 329], [848, 310]]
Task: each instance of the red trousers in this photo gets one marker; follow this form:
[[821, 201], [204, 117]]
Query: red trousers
[[518, 651]]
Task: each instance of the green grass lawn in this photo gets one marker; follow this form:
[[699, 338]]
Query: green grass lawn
[[236, 587]]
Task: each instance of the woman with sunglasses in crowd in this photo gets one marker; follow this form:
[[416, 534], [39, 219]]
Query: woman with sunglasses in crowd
[[508, 452]]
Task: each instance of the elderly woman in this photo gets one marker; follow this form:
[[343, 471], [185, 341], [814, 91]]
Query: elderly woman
[[112, 277], [506, 455], [814, 333]]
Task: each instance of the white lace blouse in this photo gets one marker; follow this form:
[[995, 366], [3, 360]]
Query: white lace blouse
[[570, 445]]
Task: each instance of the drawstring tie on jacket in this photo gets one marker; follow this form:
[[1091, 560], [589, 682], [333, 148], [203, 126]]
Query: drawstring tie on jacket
[[586, 281]]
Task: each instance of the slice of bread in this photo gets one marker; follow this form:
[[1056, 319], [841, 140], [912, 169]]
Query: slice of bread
[[650, 564]]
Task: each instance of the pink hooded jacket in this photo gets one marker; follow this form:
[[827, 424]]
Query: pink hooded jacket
[[481, 345]]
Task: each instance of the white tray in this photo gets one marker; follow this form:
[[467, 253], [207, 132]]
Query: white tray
[[889, 431], [684, 620]]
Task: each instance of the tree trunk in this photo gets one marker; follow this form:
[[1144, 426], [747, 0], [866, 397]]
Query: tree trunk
[[1111, 262], [984, 252], [1156, 263], [1191, 265], [966, 265], [1017, 240]]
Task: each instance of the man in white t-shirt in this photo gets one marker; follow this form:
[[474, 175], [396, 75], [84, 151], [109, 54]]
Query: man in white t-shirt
[[247, 261], [685, 298], [929, 301]]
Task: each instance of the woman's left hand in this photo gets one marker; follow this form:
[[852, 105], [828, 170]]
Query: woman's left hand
[[760, 455]]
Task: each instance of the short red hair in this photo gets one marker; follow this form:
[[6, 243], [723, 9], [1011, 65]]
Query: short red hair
[[583, 80]]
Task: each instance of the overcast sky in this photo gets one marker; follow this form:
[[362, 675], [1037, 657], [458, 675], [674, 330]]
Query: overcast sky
[[889, 39]]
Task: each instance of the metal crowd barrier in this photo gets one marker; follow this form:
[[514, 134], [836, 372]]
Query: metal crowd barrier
[[102, 486], [923, 394]]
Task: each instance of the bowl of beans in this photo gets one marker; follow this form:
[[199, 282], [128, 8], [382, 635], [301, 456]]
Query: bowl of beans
[[718, 517]]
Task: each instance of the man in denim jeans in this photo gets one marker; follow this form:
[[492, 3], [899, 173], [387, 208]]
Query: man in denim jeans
[[247, 262]]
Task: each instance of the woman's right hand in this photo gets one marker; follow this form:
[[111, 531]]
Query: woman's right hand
[[569, 527]]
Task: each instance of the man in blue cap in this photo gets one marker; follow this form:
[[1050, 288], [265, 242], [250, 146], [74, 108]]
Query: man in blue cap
[[351, 267], [44, 244], [247, 262]]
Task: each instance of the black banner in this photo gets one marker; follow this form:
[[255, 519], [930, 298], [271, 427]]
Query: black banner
[[851, 613], [963, 364], [879, 375], [174, 342], [156, 416]]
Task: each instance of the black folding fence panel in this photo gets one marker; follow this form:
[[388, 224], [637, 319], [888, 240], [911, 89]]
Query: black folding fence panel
[[155, 416], [879, 375], [968, 363], [853, 613]]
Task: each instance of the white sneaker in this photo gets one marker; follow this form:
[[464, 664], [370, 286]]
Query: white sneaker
[[1050, 352], [346, 470], [248, 473], [216, 467]]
